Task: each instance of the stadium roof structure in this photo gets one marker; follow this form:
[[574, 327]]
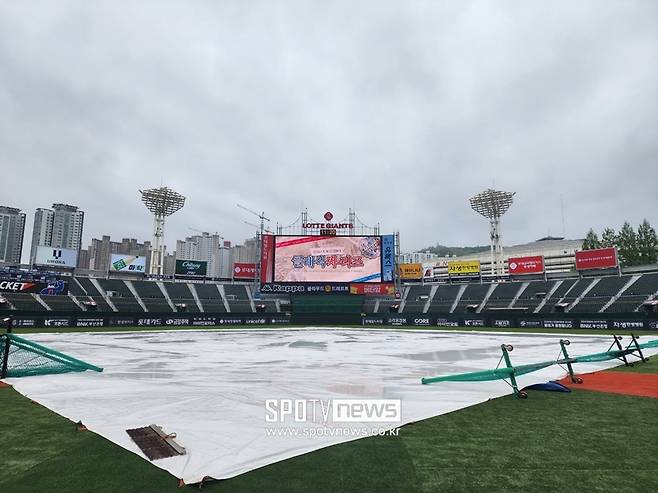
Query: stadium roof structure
[[543, 246]]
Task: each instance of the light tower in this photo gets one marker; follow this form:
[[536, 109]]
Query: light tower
[[162, 202], [492, 204]]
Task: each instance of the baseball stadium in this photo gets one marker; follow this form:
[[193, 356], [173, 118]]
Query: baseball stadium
[[189, 299], [333, 366]]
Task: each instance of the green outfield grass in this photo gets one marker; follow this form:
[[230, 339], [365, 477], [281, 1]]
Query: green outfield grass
[[581, 441], [650, 366]]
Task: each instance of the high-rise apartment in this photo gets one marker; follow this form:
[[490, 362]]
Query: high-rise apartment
[[12, 229], [59, 227]]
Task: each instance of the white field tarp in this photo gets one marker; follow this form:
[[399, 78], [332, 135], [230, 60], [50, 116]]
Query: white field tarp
[[210, 387]]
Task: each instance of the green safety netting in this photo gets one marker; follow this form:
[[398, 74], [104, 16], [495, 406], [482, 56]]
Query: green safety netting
[[590, 358], [496, 374], [27, 358], [507, 372], [649, 344]]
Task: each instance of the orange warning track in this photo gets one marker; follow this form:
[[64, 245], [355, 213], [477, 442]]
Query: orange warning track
[[615, 382]]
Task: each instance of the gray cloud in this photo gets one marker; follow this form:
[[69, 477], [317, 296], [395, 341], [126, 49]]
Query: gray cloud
[[400, 109]]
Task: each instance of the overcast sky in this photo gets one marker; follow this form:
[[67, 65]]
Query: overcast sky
[[400, 109]]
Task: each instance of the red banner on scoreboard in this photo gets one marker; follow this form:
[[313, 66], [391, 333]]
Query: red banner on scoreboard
[[267, 259], [526, 265], [244, 271], [386, 288], [601, 258]]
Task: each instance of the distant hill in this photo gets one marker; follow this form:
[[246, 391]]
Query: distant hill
[[443, 250]]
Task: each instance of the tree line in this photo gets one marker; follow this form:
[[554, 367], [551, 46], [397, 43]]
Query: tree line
[[633, 247], [450, 251]]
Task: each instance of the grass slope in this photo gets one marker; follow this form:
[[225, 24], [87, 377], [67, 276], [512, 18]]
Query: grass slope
[[549, 442]]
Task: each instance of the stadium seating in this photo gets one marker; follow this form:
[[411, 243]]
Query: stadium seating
[[210, 298], [124, 301], [533, 294], [636, 294], [576, 290], [180, 293], [101, 305], [473, 295], [88, 287], [85, 292], [415, 301], [24, 302], [76, 289], [61, 303], [369, 305], [444, 298], [147, 289], [236, 291], [557, 295], [503, 294], [240, 306], [268, 305], [152, 297], [600, 294], [238, 298]]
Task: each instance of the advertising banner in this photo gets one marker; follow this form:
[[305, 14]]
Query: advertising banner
[[127, 263], [343, 259], [305, 288], [196, 268], [56, 257], [600, 258], [388, 257], [387, 288], [463, 267], [244, 270], [526, 265], [267, 259], [43, 288], [428, 271], [409, 272]]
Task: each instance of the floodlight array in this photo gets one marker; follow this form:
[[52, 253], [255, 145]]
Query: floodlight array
[[162, 201], [492, 203]]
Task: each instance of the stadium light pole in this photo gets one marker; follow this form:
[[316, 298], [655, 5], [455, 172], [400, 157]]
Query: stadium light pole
[[162, 202], [492, 204]]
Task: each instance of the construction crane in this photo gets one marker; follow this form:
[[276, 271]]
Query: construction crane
[[260, 216], [259, 236], [205, 232], [266, 230]]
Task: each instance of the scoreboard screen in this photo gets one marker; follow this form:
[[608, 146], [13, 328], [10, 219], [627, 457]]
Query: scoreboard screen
[[348, 259]]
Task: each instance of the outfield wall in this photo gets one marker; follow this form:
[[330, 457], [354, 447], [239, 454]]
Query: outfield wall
[[531, 322]]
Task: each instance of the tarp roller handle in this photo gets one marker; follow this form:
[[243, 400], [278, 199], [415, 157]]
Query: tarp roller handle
[[507, 348], [567, 360]]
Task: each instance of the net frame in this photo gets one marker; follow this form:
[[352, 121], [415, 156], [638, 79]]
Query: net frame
[[21, 358]]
